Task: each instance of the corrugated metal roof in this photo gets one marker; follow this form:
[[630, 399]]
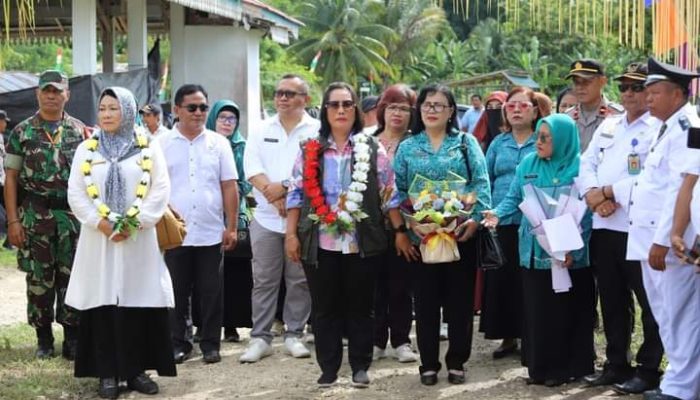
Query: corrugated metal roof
[[11, 81], [511, 78]]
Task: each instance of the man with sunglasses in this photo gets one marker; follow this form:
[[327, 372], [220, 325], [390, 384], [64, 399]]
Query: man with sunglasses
[[589, 79], [617, 152], [203, 180], [672, 287], [269, 157]]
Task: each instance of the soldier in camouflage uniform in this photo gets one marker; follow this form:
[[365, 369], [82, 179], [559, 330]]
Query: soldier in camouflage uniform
[[589, 80], [39, 154]]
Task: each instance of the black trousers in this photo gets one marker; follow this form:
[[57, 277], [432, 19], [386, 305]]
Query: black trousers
[[451, 285], [617, 280], [201, 268], [238, 284], [393, 302], [121, 342], [501, 310], [342, 294]]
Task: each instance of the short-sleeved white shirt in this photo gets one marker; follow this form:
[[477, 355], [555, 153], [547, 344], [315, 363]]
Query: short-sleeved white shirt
[[271, 151], [196, 168]]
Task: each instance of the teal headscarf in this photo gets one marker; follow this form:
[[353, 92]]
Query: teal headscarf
[[227, 105], [562, 167]]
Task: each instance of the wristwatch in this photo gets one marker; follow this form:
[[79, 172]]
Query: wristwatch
[[286, 183], [400, 229]]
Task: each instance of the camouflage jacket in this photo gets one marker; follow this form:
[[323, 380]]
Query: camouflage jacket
[[43, 158]]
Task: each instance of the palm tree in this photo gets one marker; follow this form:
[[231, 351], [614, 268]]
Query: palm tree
[[349, 44], [416, 24]]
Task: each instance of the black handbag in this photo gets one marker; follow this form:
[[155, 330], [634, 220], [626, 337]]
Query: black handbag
[[488, 249]]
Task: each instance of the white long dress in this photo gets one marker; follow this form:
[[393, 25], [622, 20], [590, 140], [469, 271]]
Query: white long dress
[[130, 273]]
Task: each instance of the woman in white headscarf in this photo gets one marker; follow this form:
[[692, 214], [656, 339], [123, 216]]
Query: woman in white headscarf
[[119, 281]]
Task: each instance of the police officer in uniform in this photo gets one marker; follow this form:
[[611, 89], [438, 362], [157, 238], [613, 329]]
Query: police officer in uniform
[[616, 152], [671, 286], [589, 79], [40, 224]]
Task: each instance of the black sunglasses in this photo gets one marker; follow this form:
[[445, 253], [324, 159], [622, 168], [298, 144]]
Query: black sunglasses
[[290, 94], [636, 87], [193, 107], [337, 104]]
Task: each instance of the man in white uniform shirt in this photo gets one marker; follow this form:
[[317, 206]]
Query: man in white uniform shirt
[[203, 175], [617, 152], [269, 157], [671, 286]]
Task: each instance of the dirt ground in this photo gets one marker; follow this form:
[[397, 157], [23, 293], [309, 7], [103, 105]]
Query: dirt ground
[[283, 377]]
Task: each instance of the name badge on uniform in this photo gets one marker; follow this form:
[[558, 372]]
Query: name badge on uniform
[[271, 140], [634, 166], [606, 135], [531, 176]]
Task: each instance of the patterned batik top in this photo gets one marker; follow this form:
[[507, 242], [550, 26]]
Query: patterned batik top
[[337, 176]]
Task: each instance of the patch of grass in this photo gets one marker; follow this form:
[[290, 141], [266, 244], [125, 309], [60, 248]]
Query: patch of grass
[[8, 258], [24, 377]]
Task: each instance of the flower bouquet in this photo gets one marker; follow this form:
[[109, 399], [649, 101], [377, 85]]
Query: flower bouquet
[[555, 215], [436, 210]]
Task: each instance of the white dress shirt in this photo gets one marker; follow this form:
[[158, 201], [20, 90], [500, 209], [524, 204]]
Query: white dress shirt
[[650, 199], [272, 152], [196, 168], [606, 159]]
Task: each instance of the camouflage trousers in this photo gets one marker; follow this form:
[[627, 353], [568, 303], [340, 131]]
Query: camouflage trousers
[[47, 258]]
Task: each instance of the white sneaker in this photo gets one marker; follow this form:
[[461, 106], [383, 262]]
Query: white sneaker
[[379, 353], [405, 354], [296, 348], [443, 331], [257, 348]]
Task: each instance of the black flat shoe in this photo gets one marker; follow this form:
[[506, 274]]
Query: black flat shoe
[[456, 379], [212, 356], [327, 380], [505, 351], [180, 356], [142, 383], [533, 381], [109, 388], [429, 379], [635, 385], [607, 377], [554, 382], [231, 335]]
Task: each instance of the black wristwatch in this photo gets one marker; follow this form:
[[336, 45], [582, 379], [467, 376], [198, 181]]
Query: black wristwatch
[[400, 229]]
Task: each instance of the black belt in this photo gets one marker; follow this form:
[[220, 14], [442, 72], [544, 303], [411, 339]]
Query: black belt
[[50, 202]]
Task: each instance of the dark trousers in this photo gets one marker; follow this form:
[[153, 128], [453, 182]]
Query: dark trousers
[[451, 284], [393, 302], [342, 295], [617, 280], [201, 268]]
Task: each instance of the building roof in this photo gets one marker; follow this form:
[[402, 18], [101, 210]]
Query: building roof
[[12, 81], [502, 79], [53, 17]]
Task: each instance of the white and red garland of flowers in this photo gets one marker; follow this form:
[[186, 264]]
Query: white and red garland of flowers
[[128, 221], [347, 211]]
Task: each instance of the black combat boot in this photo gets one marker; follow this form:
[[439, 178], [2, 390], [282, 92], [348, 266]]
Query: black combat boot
[[44, 338], [70, 342]]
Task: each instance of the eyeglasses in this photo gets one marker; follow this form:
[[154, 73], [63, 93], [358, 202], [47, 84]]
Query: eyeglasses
[[395, 109], [290, 94], [636, 87], [435, 107], [544, 137], [230, 120], [521, 105], [193, 107], [346, 104]]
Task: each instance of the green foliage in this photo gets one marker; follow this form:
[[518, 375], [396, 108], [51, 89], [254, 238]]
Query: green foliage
[[35, 57], [276, 62]]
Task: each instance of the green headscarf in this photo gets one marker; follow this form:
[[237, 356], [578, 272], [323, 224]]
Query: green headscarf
[[562, 167], [217, 108]]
